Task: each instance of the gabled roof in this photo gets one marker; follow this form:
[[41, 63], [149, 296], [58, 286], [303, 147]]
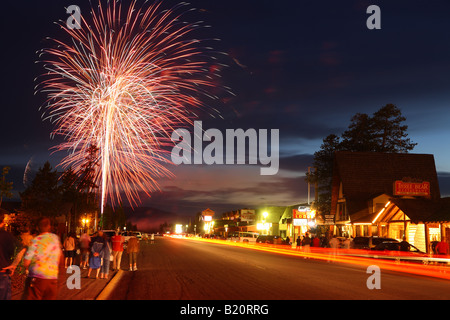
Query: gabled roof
[[369, 173], [366, 174], [274, 213], [417, 210], [441, 213], [287, 214]]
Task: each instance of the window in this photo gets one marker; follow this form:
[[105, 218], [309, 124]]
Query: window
[[342, 214]]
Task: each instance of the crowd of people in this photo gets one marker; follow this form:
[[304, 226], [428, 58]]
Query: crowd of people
[[44, 254], [307, 240]]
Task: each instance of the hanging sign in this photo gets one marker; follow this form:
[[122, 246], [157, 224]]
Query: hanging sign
[[419, 189]]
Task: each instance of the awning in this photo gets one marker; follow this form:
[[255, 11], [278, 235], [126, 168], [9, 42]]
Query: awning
[[366, 220]]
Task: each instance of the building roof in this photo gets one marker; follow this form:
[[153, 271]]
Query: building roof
[[441, 212], [365, 175], [418, 210]]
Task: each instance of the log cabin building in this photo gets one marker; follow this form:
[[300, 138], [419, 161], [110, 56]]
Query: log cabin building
[[391, 195]]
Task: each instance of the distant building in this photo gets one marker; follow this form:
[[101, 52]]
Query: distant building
[[208, 223], [389, 195]]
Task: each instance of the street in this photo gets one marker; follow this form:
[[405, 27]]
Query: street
[[184, 269]]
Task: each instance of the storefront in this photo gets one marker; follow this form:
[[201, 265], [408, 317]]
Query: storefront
[[208, 223], [389, 195], [303, 219]]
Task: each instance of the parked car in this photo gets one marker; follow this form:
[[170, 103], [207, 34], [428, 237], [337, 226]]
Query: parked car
[[109, 233], [395, 246], [248, 237], [270, 239], [370, 242], [129, 234], [137, 234]]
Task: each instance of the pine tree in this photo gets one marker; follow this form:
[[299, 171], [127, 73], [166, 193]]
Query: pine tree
[[5, 186], [42, 197], [385, 131]]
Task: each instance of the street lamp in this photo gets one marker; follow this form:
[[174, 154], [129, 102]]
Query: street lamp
[[264, 225], [85, 221]]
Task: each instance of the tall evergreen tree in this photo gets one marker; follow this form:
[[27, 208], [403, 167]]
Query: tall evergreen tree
[[42, 197], [5, 186], [78, 188], [390, 132], [323, 171], [384, 131]]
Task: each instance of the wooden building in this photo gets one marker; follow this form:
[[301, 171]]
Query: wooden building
[[389, 195]]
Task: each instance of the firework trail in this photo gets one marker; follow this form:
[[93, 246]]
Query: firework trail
[[29, 172], [124, 84]]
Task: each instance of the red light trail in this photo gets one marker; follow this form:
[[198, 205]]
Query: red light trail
[[411, 263]]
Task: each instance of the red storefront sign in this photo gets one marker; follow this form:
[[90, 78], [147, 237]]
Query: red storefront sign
[[421, 189], [303, 214]]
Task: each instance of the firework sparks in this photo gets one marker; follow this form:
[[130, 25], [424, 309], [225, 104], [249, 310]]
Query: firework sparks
[[124, 84]]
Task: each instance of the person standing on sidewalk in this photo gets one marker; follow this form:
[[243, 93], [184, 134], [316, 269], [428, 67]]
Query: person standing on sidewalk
[[306, 243], [334, 245], [8, 245], [69, 250], [117, 250], [85, 242], [107, 255], [442, 248], [42, 261], [95, 261], [132, 250]]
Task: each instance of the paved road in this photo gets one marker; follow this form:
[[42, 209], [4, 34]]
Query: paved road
[[180, 269]]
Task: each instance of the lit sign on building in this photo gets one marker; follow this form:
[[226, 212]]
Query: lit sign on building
[[248, 215], [300, 222], [420, 189], [304, 214]]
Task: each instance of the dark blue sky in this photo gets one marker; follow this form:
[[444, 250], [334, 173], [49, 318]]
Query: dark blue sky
[[303, 67]]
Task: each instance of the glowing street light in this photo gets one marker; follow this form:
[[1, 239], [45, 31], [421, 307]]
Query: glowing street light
[[263, 225], [85, 222]]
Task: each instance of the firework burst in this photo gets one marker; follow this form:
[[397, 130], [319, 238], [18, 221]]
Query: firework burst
[[123, 83]]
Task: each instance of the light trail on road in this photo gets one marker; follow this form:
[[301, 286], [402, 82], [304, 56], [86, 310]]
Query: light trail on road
[[353, 256]]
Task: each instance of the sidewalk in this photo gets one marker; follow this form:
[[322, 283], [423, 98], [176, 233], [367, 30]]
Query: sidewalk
[[91, 288]]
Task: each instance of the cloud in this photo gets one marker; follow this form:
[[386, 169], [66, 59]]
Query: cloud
[[444, 183], [224, 188]]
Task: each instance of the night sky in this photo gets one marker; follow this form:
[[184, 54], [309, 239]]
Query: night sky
[[303, 67]]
